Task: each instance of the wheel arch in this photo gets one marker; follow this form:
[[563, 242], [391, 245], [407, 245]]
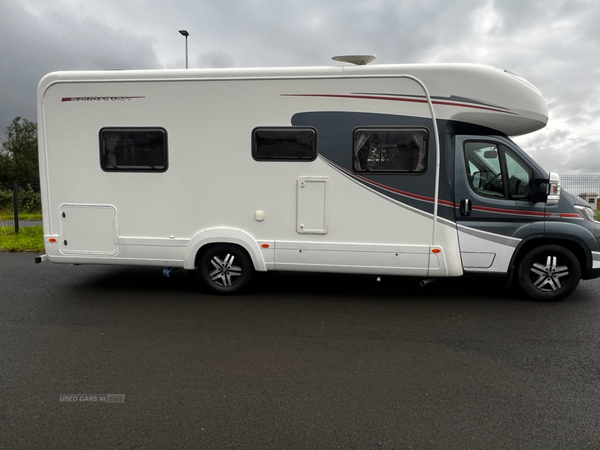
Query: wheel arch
[[572, 243], [223, 236]]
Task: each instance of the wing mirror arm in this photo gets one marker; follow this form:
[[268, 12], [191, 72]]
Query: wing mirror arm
[[540, 191]]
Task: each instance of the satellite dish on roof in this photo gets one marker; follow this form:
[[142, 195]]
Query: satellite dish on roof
[[359, 60]]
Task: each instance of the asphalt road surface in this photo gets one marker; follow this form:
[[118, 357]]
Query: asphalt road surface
[[303, 361]]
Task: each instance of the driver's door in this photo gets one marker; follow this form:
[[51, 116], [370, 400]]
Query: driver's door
[[493, 202]]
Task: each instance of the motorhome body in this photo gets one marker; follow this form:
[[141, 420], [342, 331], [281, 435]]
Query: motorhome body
[[383, 169]]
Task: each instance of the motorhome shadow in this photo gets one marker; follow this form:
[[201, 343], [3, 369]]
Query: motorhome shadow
[[382, 169]]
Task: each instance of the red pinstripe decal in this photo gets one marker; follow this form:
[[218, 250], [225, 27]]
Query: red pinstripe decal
[[446, 202], [401, 99], [389, 188], [510, 211]]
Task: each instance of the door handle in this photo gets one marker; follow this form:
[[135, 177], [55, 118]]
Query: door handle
[[465, 207]]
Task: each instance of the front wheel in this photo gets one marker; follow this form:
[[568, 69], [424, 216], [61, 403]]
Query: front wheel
[[549, 273], [225, 269]]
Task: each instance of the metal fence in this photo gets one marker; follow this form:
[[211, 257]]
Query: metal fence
[[585, 186], [20, 206], [581, 184]]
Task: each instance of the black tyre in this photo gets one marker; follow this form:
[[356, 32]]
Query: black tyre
[[549, 273], [225, 269]]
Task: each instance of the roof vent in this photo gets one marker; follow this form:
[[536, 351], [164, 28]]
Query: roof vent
[[359, 60]]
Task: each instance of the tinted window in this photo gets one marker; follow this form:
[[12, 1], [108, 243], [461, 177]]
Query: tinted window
[[494, 171], [485, 174], [390, 150], [284, 144], [519, 176], [133, 149]]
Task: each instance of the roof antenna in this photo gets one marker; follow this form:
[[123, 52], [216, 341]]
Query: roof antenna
[[359, 60]]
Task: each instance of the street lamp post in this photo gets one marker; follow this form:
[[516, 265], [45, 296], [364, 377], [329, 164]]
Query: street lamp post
[[186, 34]]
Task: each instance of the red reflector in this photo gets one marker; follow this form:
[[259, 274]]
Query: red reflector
[[436, 250], [265, 246], [52, 240]]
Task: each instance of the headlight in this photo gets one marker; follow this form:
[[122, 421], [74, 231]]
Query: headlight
[[586, 213]]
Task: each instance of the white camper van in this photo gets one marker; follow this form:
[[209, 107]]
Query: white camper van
[[382, 169]]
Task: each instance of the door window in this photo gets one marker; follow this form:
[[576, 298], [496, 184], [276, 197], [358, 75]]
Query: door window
[[494, 171], [519, 177]]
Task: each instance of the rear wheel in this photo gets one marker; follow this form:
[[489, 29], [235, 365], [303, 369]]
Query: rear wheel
[[549, 273], [225, 269]]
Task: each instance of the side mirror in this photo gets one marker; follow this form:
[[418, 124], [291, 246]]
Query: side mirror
[[553, 189], [539, 191]]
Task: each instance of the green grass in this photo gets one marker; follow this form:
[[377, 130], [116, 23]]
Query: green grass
[[8, 215], [28, 239], [30, 216]]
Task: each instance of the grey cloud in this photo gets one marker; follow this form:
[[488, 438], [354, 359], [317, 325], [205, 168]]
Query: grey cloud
[[35, 45], [215, 59]]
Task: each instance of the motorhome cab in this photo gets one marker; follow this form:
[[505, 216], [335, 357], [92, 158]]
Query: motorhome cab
[[382, 169]]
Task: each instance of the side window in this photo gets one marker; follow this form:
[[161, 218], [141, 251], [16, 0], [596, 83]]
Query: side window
[[390, 150], [483, 165], [519, 176], [284, 144], [133, 149], [494, 171]]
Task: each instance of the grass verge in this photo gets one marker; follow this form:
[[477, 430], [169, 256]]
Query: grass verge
[[9, 215], [28, 239]]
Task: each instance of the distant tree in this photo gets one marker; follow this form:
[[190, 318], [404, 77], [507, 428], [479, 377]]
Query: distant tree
[[19, 153]]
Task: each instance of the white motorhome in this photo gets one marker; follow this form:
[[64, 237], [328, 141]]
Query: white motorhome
[[382, 169]]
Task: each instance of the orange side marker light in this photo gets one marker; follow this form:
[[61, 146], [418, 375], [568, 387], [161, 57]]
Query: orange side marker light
[[52, 240], [436, 250], [265, 246]]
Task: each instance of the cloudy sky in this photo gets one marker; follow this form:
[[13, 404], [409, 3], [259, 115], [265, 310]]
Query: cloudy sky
[[555, 44]]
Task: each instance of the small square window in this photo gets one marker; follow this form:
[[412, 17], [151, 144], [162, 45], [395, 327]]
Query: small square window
[[284, 144]]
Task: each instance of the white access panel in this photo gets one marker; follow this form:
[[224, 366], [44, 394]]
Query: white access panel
[[312, 215], [88, 229]]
